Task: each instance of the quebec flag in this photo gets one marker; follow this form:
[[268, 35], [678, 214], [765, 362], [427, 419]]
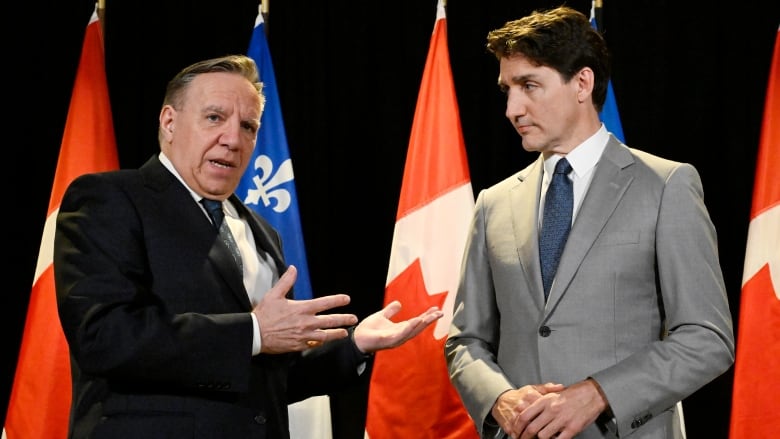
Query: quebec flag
[[268, 185]]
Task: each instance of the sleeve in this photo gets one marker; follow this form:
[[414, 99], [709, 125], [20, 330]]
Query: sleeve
[[473, 335], [697, 344]]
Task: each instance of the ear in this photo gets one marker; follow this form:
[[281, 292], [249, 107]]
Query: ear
[[584, 80], [167, 119]]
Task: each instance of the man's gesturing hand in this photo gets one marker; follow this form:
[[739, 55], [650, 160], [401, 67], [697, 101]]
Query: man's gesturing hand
[[377, 331], [288, 325]]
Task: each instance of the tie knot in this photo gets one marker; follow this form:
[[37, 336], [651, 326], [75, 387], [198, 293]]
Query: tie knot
[[214, 208], [563, 167]]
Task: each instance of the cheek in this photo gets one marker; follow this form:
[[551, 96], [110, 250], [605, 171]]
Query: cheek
[[246, 150], [247, 146]]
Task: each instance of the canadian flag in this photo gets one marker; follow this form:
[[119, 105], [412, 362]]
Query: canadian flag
[[755, 409], [39, 406], [410, 395]]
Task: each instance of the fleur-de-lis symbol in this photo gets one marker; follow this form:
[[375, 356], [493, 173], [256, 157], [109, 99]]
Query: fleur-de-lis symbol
[[266, 184]]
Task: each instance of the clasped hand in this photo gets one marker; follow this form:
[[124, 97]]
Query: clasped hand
[[549, 410], [294, 325]]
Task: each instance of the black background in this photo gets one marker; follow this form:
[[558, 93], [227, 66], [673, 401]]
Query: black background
[[690, 80]]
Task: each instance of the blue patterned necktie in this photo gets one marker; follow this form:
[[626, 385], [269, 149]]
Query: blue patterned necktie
[[214, 209], [556, 222]]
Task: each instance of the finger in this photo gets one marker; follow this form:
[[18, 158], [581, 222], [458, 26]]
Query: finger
[[325, 303], [283, 285], [549, 387], [326, 321], [422, 321], [431, 315], [321, 336], [391, 309]]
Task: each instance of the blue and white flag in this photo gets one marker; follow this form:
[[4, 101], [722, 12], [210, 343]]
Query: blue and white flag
[[609, 112], [268, 185]]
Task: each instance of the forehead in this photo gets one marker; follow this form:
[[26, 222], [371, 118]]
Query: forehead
[[518, 67], [223, 87]]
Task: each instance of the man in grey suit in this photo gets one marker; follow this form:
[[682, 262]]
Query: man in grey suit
[[637, 316], [172, 334]]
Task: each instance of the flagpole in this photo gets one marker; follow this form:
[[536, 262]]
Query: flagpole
[[101, 11], [597, 8], [264, 6]]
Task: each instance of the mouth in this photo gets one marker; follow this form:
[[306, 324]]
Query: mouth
[[222, 164]]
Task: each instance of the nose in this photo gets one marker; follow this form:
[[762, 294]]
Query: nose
[[231, 134], [515, 105]]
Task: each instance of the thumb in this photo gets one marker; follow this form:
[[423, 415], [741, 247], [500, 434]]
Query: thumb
[[391, 309], [283, 285]]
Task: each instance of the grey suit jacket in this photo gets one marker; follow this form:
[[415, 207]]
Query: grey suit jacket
[[638, 302]]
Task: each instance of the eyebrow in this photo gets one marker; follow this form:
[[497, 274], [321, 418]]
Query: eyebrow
[[523, 78]]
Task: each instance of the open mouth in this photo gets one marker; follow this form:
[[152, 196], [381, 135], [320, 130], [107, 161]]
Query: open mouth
[[221, 164]]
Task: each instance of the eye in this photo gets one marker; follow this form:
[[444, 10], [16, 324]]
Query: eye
[[251, 127], [530, 86], [213, 117]]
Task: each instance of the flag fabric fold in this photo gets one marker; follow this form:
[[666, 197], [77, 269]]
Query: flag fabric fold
[[755, 408], [268, 187], [410, 394], [40, 399]]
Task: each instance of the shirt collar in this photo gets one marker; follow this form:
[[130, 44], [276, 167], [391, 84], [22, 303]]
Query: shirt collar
[[584, 156], [228, 207]]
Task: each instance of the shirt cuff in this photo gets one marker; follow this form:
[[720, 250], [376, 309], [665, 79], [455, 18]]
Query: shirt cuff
[[256, 339]]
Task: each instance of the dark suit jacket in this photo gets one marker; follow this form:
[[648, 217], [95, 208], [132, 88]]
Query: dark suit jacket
[[158, 320]]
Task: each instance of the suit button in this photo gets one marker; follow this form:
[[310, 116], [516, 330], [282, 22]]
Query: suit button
[[638, 422], [545, 331], [260, 419]]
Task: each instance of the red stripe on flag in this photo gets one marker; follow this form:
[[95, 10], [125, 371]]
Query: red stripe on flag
[[40, 399], [755, 411], [436, 160]]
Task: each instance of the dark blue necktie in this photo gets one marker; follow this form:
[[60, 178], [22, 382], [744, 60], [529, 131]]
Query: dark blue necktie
[[214, 209], [556, 222]]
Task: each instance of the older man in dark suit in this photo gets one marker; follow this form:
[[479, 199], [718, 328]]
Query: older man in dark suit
[[179, 323]]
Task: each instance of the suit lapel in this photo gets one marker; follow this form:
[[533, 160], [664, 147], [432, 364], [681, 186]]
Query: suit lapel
[[170, 192], [524, 199], [226, 266], [261, 230], [612, 177]]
